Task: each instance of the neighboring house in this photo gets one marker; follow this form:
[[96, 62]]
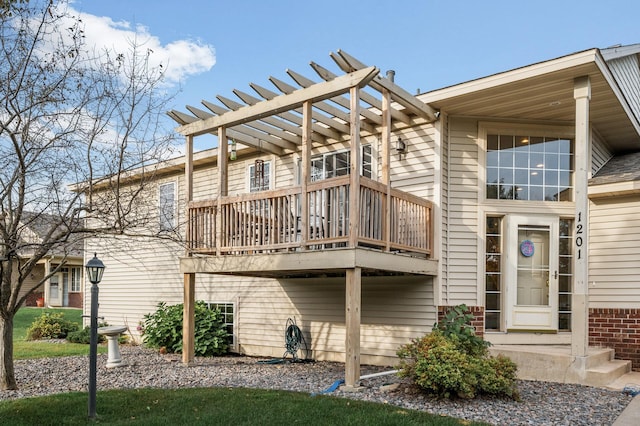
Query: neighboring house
[[365, 212], [63, 288]]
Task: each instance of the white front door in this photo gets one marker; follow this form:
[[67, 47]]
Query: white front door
[[55, 291], [532, 273]]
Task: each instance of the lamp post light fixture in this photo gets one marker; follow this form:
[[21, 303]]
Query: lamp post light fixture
[[94, 269]]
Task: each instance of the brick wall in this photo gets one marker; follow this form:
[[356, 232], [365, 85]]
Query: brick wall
[[476, 311], [618, 329]]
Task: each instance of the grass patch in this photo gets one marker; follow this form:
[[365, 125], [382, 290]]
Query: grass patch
[[25, 316], [25, 349], [208, 406]]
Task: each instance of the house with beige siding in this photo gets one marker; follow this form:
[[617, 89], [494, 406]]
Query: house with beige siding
[[365, 212], [60, 271]]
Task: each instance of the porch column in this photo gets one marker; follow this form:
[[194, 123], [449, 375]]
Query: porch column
[[188, 314], [580, 299], [352, 322]]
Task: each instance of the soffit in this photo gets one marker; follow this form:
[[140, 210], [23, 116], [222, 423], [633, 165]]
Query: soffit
[[544, 92]]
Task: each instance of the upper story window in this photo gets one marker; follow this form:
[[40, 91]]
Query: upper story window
[[338, 163], [528, 167], [260, 180], [167, 206]]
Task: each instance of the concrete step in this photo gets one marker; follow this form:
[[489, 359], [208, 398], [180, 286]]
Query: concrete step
[[607, 372], [554, 363]]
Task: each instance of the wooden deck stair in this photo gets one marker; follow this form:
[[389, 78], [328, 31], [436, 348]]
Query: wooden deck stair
[[554, 363]]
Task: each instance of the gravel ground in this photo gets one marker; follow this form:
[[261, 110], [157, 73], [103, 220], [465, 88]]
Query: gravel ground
[[542, 403]]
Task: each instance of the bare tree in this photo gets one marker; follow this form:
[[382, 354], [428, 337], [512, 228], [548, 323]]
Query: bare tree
[[69, 114]]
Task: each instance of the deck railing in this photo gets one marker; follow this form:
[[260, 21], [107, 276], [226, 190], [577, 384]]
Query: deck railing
[[271, 221]]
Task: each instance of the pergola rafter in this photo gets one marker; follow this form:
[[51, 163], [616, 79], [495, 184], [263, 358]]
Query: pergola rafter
[[274, 122]]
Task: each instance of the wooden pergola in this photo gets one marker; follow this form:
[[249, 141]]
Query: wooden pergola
[[338, 108]]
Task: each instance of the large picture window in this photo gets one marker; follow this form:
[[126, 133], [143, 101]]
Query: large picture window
[[529, 168]]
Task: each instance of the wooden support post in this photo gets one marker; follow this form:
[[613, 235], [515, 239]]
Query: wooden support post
[[385, 156], [580, 298], [188, 188], [352, 320], [223, 182], [305, 170], [188, 324], [356, 159]]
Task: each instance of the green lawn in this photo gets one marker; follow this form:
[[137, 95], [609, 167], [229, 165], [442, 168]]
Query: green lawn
[[24, 349], [213, 406]]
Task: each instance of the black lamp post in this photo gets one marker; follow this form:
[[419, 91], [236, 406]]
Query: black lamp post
[[94, 269]]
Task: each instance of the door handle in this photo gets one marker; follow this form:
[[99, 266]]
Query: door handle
[[555, 275]]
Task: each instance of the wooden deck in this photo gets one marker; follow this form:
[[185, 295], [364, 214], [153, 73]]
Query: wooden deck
[[283, 220]]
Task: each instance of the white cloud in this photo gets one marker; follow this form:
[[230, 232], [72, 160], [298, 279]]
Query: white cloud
[[180, 58]]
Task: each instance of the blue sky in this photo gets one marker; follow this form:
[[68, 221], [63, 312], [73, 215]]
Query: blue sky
[[217, 46]]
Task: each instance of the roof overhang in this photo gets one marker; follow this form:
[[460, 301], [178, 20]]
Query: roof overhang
[[618, 189], [544, 92]]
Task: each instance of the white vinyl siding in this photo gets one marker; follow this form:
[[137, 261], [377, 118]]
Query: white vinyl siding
[[391, 314], [614, 258], [600, 153], [463, 189], [626, 71]]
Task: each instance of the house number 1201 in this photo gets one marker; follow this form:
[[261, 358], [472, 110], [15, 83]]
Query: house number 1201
[[579, 231]]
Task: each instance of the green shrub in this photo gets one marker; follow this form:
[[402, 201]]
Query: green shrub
[[163, 328], [497, 376], [440, 365], [457, 322], [50, 325], [84, 336], [436, 365]]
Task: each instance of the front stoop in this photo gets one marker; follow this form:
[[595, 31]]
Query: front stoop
[[554, 363]]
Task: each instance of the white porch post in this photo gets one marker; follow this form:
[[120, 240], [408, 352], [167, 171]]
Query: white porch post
[[580, 300], [352, 323]]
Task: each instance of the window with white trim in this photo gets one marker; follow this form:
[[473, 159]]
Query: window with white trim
[[529, 167], [493, 274], [76, 279], [227, 310], [338, 163], [262, 180], [71, 277], [167, 206]]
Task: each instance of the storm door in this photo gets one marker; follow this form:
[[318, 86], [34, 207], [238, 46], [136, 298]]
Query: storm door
[[532, 274]]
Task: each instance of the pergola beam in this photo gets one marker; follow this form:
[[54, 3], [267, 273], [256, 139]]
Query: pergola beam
[[282, 103], [348, 63], [327, 75], [284, 126], [340, 100], [323, 106], [254, 130], [248, 136], [324, 131]]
